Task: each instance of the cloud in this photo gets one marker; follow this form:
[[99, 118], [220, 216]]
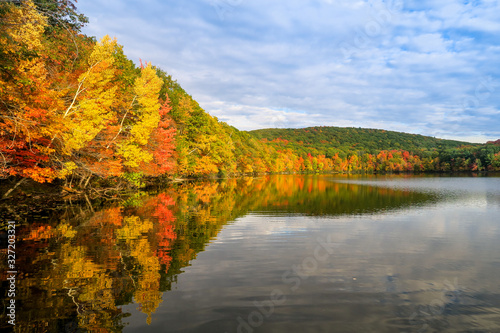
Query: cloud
[[406, 66]]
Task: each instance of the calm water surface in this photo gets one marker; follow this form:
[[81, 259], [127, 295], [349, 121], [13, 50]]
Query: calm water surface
[[270, 254]]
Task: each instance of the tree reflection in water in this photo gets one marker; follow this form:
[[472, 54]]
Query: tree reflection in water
[[80, 264]]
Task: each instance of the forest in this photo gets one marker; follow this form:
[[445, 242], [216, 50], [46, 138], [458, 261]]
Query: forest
[[75, 110]]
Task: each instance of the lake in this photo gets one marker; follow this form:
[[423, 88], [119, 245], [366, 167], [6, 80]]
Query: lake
[[283, 253]]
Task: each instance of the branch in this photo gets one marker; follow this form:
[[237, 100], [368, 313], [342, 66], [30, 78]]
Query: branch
[[121, 124]]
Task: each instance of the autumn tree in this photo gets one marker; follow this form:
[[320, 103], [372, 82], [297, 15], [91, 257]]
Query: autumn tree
[[145, 118], [162, 145], [27, 102], [61, 14]]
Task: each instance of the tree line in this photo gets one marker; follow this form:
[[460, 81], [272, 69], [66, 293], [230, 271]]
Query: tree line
[[371, 150]]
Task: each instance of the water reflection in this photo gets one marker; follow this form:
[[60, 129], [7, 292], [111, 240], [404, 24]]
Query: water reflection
[[89, 269]]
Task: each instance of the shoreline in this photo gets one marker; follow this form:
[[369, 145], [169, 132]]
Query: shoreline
[[56, 191]]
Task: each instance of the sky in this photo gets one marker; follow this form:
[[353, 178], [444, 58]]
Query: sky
[[424, 67]]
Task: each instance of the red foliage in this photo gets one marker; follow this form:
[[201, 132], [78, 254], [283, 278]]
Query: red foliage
[[497, 142], [166, 230], [162, 145], [20, 157]]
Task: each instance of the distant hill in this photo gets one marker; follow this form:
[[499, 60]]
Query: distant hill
[[494, 142], [342, 140]]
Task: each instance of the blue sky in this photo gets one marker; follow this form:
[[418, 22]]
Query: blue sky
[[426, 67]]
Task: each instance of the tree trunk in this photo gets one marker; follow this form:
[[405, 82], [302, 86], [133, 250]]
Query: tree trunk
[[6, 195], [87, 182]]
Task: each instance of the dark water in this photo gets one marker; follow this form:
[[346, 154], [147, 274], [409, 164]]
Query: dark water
[[270, 254]]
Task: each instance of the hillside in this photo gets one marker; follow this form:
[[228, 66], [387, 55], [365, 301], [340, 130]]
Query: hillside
[[344, 140]]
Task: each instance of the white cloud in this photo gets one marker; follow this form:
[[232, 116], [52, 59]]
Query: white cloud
[[386, 64], [431, 43]]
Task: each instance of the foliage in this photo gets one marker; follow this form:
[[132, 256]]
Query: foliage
[[74, 108], [342, 141], [26, 100], [134, 178], [61, 14], [371, 150]]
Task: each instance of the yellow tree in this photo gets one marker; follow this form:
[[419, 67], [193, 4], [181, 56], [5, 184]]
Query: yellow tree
[[147, 292], [90, 109], [144, 118]]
